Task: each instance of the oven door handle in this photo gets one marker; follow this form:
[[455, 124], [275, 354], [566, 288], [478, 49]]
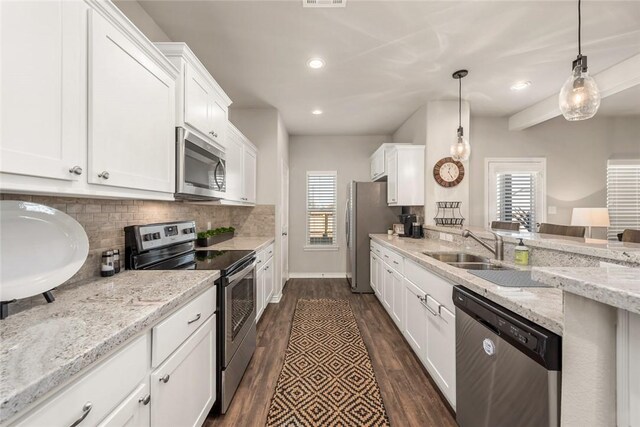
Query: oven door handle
[[242, 273]]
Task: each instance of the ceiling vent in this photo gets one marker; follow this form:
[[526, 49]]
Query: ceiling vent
[[324, 3]]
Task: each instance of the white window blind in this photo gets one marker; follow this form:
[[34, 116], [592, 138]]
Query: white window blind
[[623, 196], [321, 208], [516, 199], [515, 191]]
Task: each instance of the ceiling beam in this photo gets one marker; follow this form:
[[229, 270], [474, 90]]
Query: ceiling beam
[[621, 76]]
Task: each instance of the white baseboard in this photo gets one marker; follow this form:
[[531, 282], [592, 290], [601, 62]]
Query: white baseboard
[[317, 275], [275, 299]]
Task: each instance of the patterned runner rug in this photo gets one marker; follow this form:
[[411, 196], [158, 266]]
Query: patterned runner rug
[[327, 378]]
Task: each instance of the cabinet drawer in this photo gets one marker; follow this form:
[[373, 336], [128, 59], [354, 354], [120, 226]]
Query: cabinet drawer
[[264, 255], [173, 331], [376, 249], [430, 283], [393, 259], [97, 393]]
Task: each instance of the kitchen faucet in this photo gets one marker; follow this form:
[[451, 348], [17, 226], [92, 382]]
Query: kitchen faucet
[[498, 247]]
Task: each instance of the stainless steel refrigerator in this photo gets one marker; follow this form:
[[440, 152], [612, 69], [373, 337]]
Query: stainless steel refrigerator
[[366, 212]]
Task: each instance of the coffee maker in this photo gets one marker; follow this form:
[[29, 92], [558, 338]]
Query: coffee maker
[[407, 220]]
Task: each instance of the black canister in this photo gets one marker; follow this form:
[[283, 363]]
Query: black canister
[[416, 230]]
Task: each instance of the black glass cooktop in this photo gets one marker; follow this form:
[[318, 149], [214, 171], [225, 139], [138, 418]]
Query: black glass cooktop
[[221, 260]]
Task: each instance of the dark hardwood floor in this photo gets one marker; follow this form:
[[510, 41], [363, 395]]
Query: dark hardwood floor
[[409, 396]]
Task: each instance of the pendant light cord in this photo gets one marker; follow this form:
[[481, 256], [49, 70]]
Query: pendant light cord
[[460, 102], [579, 29]]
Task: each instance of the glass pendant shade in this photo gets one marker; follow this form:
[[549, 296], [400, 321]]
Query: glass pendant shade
[[579, 96], [461, 150]]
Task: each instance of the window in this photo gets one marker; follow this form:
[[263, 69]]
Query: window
[[516, 191], [623, 196], [321, 209]]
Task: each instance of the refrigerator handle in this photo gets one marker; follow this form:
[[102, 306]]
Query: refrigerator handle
[[347, 227]]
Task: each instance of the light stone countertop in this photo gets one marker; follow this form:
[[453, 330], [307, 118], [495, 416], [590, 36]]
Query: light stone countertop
[[542, 306], [616, 251], [612, 285], [45, 346], [241, 244]]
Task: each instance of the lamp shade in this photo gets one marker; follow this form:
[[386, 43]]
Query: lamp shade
[[590, 217]]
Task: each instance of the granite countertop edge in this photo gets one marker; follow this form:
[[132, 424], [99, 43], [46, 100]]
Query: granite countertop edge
[[614, 286], [23, 397], [480, 286]]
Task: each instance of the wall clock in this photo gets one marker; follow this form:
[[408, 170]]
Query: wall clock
[[448, 172]]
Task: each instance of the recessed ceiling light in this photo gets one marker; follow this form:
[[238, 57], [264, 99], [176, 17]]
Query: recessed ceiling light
[[316, 112], [315, 63], [520, 85]]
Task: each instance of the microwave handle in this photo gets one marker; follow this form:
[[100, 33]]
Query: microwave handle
[[215, 174]]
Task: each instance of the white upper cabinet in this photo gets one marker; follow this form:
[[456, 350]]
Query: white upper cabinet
[[131, 113], [241, 167], [378, 162], [405, 168], [201, 104], [41, 89], [87, 105]]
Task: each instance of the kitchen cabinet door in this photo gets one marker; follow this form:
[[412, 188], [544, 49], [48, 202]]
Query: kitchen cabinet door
[[380, 278], [415, 320], [234, 167], [183, 388], [392, 178], [131, 113], [250, 171], [260, 290], [441, 348], [133, 412], [198, 101], [398, 301], [43, 88], [268, 282], [373, 271], [387, 300], [218, 121]]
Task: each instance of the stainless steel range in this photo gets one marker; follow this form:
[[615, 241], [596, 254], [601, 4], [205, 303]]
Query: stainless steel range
[[170, 246]]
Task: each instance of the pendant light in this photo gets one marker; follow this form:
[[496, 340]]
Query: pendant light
[[579, 96], [460, 150]]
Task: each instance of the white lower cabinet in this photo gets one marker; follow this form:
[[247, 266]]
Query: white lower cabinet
[[420, 304], [183, 388], [98, 393], [265, 280], [373, 272], [133, 412], [124, 391]]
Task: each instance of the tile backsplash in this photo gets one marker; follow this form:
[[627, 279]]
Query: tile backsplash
[[104, 220]]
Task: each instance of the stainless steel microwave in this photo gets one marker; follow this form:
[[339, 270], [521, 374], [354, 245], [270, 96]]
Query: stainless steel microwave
[[200, 168]]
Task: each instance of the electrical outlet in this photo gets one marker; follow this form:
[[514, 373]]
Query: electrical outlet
[[443, 236], [208, 225], [448, 237]]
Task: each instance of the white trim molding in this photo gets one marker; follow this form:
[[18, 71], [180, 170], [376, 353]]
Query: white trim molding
[[317, 275]]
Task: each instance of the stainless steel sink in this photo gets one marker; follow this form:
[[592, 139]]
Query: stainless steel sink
[[456, 257], [478, 266]]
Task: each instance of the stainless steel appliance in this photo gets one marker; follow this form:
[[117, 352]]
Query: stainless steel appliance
[[507, 368], [170, 246], [200, 168], [366, 212]]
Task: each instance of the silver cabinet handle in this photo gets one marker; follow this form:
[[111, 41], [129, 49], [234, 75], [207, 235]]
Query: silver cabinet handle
[[85, 411], [423, 301], [396, 262], [284, 233], [104, 175], [195, 319], [165, 379], [76, 170], [213, 134], [145, 399]]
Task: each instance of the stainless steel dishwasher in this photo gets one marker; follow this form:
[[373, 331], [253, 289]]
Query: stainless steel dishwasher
[[507, 368]]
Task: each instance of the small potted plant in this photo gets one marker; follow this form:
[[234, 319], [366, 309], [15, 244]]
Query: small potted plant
[[217, 235]]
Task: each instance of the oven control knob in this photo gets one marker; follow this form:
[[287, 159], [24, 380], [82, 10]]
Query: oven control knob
[[147, 237], [156, 236]]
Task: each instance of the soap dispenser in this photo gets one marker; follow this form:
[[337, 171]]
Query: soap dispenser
[[522, 254]]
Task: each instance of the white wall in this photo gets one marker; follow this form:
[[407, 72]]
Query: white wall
[[349, 156], [414, 129], [142, 20], [576, 153]]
